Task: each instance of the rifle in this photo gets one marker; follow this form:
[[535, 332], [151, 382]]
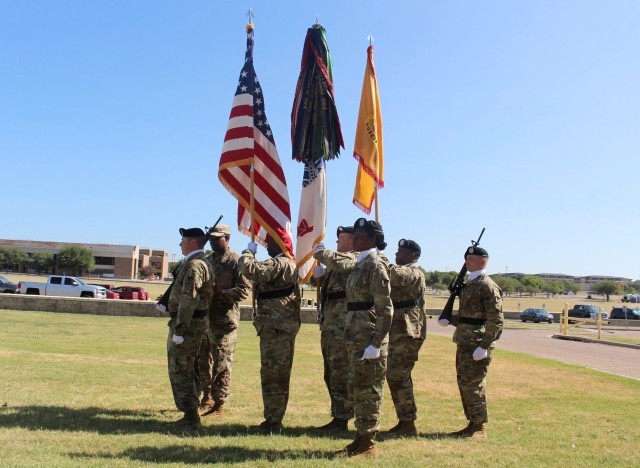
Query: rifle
[[164, 300], [456, 285]]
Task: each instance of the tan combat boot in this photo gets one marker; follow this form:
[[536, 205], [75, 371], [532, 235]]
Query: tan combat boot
[[190, 421], [216, 410], [366, 447], [349, 448], [478, 431], [403, 429], [336, 425], [462, 432], [206, 403]]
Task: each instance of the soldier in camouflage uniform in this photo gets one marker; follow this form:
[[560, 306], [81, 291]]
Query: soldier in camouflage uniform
[[332, 322], [189, 307], [478, 325], [366, 333], [219, 343], [408, 332], [277, 322]]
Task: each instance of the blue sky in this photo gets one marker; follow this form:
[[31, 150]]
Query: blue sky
[[520, 117]]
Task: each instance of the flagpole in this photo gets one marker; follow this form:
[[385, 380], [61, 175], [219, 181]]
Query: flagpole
[[375, 194], [251, 15]]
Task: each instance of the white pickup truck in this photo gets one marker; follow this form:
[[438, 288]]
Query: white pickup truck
[[68, 286]]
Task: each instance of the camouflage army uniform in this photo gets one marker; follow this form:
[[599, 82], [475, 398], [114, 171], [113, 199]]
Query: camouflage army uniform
[[334, 314], [408, 332], [479, 323], [219, 343], [368, 322], [277, 322], [188, 303]]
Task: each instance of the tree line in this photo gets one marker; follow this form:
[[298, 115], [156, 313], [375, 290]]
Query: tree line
[[521, 284]]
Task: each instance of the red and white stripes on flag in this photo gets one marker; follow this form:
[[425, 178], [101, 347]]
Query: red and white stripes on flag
[[249, 140]]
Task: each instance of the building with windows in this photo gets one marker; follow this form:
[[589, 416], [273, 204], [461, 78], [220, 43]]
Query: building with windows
[[112, 261]]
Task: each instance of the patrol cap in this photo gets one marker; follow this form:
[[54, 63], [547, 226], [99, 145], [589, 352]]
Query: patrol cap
[[221, 230], [345, 230], [368, 225], [474, 250], [191, 232], [410, 245]]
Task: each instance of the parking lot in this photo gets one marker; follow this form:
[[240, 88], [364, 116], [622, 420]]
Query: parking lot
[[538, 342]]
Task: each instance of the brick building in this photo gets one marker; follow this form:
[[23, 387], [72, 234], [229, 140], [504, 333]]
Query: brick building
[[112, 261]]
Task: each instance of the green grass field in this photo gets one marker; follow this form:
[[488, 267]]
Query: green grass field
[[83, 390]]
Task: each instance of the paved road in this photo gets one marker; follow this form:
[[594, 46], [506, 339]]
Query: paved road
[[613, 359]]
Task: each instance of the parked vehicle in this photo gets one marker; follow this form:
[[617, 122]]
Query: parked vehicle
[[142, 294], [536, 316], [587, 311], [126, 292], [619, 313], [68, 286], [635, 298], [110, 294], [7, 286]]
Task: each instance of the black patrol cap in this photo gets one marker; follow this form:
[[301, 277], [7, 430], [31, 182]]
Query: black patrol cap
[[368, 225], [479, 251], [410, 245], [345, 230], [191, 232]]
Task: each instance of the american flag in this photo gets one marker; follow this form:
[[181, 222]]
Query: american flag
[[249, 139]]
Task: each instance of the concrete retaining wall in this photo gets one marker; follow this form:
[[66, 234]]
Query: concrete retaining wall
[[74, 305]]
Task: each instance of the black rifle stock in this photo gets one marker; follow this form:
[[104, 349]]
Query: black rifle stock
[[164, 300], [455, 286]]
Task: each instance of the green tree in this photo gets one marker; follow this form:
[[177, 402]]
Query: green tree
[[532, 284], [13, 257], [147, 272], [76, 259], [605, 287], [42, 261], [507, 284], [551, 287], [570, 286]]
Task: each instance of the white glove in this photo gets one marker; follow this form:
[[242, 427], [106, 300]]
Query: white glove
[[371, 352], [318, 271], [161, 307], [253, 247], [177, 339], [480, 353], [318, 247], [443, 322]]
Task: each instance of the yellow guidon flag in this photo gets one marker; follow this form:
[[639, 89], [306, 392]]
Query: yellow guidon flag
[[368, 146]]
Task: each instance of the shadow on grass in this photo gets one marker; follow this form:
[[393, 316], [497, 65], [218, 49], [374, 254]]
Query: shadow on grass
[[187, 454], [114, 421], [92, 419]]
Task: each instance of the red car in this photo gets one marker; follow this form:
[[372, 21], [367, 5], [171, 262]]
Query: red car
[[110, 294], [127, 292]]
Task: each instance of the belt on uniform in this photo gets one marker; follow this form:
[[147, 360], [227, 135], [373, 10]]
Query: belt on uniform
[[334, 296], [276, 293], [471, 321], [359, 305], [404, 304], [196, 314]]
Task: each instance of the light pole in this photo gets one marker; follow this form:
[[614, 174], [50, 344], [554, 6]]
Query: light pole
[[506, 271]]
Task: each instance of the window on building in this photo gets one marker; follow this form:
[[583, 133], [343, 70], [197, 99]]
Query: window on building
[[105, 260]]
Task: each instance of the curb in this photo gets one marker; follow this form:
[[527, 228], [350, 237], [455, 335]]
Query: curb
[[590, 340]]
